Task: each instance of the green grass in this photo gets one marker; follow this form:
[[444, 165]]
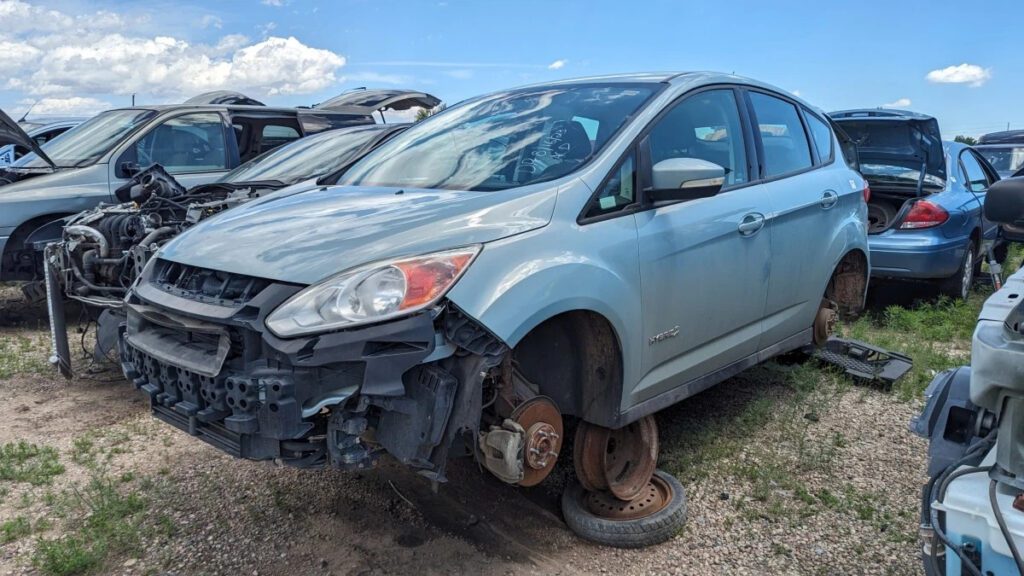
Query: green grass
[[14, 529], [22, 354], [104, 519], [24, 462]]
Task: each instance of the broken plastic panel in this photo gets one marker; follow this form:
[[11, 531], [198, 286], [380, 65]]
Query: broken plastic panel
[[864, 361]]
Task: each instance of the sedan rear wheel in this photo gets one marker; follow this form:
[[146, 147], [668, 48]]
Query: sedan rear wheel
[[958, 286]]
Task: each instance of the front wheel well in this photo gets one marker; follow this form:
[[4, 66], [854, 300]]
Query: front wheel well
[[848, 282], [575, 359], [12, 265]]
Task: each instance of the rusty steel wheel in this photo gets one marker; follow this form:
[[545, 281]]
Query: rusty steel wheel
[[543, 424], [618, 461]]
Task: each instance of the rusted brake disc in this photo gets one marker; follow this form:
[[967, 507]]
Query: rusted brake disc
[[620, 461], [543, 424], [825, 322], [653, 496]]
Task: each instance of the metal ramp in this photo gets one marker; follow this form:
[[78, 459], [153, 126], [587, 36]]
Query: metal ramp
[[864, 361]]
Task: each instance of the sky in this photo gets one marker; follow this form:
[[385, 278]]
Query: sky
[[954, 60]]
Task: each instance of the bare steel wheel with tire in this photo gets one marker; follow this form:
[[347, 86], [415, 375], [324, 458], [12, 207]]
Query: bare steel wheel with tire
[[621, 499], [654, 516], [958, 286]]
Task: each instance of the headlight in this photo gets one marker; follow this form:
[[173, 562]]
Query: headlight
[[371, 293]]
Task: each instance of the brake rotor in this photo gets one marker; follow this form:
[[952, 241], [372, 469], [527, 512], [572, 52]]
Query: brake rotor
[[824, 322], [543, 441], [620, 461], [653, 497]]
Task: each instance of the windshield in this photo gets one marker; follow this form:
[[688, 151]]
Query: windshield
[[1007, 160], [88, 141], [504, 140], [305, 158]]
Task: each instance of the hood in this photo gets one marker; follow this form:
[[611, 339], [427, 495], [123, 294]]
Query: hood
[[11, 133], [304, 234], [895, 139], [89, 180], [379, 100]]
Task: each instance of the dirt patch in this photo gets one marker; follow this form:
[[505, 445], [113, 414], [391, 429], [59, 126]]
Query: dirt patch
[[788, 470]]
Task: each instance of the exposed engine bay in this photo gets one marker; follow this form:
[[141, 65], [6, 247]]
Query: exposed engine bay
[[103, 250]]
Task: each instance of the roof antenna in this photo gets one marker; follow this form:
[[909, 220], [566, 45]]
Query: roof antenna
[[25, 115]]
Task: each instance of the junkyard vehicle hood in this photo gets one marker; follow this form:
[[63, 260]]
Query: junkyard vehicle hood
[[11, 133], [303, 234]]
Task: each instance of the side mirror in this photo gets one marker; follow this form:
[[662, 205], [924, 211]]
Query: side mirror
[[685, 179], [1004, 205], [128, 169]]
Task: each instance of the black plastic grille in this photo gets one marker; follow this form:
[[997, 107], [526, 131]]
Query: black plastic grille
[[204, 284]]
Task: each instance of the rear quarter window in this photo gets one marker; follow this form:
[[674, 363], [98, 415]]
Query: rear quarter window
[[821, 134]]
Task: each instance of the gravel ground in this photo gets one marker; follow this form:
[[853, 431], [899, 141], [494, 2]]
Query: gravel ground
[[818, 477]]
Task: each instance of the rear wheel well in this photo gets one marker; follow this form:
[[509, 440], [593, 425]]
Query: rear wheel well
[[12, 265], [575, 359], [848, 282]]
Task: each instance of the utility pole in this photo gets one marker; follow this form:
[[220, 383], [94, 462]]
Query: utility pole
[[133, 99]]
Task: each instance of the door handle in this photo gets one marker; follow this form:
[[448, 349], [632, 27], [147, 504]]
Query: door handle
[[829, 199], [751, 223]]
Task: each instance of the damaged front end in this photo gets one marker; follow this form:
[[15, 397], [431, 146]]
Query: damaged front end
[[102, 251], [196, 343]]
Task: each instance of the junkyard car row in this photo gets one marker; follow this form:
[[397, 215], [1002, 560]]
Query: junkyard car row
[[571, 256]]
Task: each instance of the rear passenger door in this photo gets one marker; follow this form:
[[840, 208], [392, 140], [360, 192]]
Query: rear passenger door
[[809, 205], [977, 180], [704, 263]]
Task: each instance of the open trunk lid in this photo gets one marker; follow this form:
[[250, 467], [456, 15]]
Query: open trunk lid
[[896, 150], [379, 100], [11, 133]]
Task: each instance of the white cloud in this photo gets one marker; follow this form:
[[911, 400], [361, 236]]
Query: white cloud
[[970, 74], [73, 106], [898, 103], [796, 93], [209, 20], [460, 74], [274, 3], [558, 64], [102, 53], [267, 28]]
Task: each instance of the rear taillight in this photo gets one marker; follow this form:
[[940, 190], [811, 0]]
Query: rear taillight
[[924, 214], [867, 194]]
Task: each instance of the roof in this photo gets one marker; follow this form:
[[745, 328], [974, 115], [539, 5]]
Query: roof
[[235, 107], [1005, 137]]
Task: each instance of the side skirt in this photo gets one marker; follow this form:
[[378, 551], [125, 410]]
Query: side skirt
[[697, 385]]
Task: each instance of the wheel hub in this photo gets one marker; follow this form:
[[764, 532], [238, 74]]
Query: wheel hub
[[620, 461], [653, 497], [824, 322], [543, 440]]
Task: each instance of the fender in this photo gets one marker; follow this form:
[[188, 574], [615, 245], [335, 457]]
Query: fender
[[555, 279]]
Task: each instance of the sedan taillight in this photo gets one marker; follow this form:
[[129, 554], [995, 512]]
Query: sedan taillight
[[924, 214]]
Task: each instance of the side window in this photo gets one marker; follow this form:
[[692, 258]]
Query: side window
[[618, 191], [822, 136], [276, 135], [974, 175], [188, 143], [704, 126], [782, 135]]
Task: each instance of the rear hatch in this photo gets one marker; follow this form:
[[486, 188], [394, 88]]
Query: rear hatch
[[899, 152]]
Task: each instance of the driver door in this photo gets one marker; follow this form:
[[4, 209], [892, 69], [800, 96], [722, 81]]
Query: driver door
[[704, 264], [192, 147]]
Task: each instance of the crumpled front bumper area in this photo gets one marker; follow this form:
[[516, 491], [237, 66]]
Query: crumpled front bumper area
[[211, 369]]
